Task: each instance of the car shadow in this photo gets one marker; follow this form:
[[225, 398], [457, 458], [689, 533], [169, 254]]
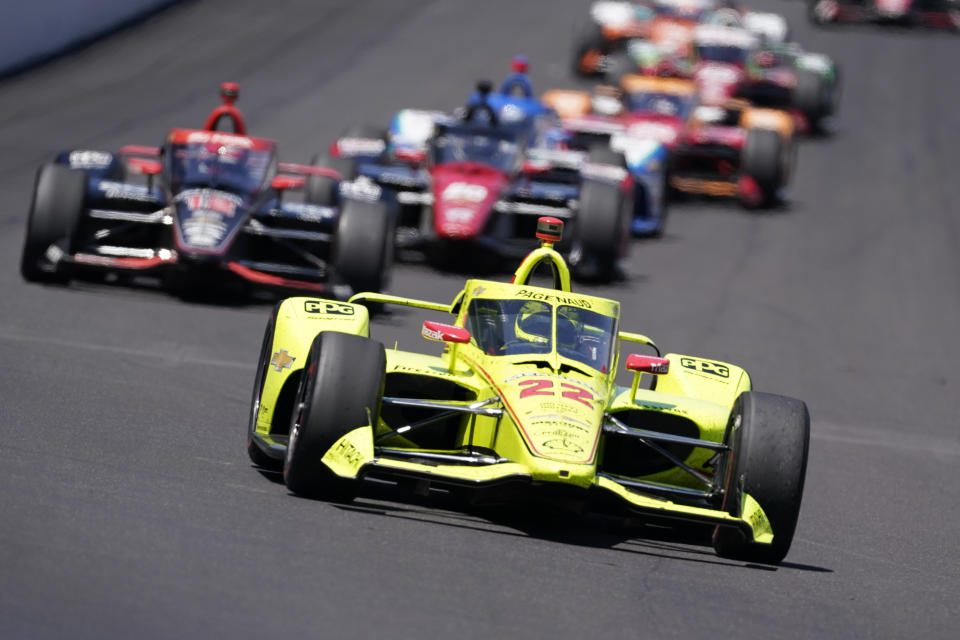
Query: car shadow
[[226, 296], [676, 541]]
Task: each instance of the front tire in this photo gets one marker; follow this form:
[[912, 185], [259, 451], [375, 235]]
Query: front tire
[[601, 229], [363, 251], [812, 97], [769, 436], [616, 66], [340, 390], [589, 48], [58, 198], [764, 159]]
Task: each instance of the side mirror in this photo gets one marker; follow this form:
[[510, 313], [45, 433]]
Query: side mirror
[[647, 364], [282, 183], [440, 332], [644, 364]]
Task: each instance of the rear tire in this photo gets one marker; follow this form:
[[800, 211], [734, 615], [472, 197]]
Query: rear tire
[[340, 390], [363, 246], [770, 437], [811, 96], [764, 160], [616, 66], [601, 231], [325, 190], [58, 200], [257, 455], [589, 41]]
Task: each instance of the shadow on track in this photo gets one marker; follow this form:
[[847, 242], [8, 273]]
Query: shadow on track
[[675, 541]]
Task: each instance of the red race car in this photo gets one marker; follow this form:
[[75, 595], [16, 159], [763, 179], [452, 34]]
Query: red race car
[[726, 150]]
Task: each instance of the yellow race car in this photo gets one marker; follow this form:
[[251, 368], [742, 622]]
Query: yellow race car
[[522, 405]]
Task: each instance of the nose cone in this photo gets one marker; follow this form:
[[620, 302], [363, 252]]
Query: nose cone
[[464, 195], [207, 220], [560, 418]]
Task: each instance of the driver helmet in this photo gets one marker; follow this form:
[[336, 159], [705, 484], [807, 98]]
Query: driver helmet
[[534, 323]]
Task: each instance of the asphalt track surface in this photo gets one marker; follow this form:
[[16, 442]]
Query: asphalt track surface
[[128, 507]]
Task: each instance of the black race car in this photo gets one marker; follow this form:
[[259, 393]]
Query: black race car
[[206, 206]]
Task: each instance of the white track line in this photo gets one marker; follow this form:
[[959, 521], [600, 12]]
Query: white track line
[[168, 356]]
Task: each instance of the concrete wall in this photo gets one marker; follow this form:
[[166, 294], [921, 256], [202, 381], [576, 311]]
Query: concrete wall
[[31, 30]]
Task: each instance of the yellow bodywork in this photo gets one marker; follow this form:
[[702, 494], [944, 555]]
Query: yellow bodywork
[[548, 429], [298, 321]]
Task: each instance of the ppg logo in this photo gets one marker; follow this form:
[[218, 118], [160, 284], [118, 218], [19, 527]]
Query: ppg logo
[[328, 307], [704, 366]]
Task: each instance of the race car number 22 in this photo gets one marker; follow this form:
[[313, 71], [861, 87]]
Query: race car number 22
[[545, 388]]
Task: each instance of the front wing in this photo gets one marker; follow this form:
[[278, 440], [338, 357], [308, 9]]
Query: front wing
[[354, 456]]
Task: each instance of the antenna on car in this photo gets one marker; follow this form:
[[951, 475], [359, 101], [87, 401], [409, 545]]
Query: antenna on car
[[549, 231], [229, 92]]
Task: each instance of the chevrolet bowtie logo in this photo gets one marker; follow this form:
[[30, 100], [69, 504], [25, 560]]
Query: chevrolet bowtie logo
[[282, 359]]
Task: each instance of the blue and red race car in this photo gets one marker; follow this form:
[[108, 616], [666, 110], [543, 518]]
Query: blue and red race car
[[481, 178]]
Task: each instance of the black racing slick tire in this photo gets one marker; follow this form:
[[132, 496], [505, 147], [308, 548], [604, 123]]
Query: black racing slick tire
[[601, 230], [340, 390], [325, 190], [257, 455], [616, 66], [811, 96], [769, 436], [764, 159], [589, 47], [363, 247], [58, 200]]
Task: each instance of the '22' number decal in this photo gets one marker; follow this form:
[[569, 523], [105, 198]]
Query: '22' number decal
[[545, 388], [536, 388]]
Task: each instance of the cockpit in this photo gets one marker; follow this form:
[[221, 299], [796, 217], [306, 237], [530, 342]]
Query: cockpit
[[213, 164], [484, 145], [502, 327], [660, 103], [728, 45]]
